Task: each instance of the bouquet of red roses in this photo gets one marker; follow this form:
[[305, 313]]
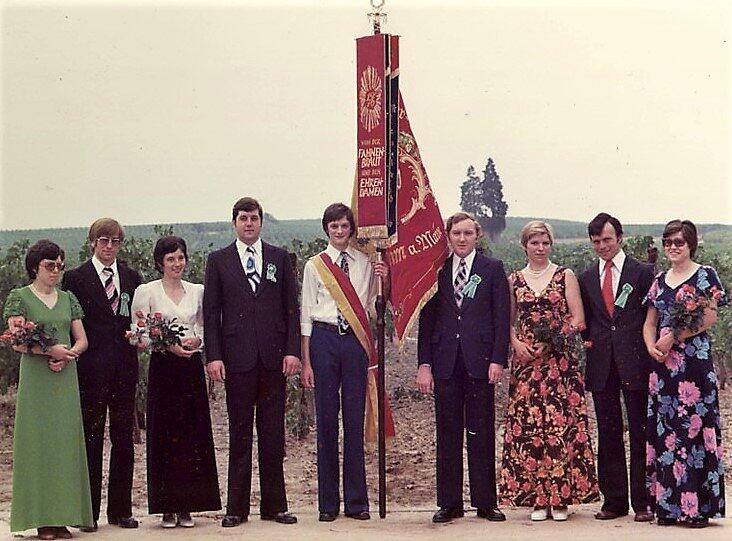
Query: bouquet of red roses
[[30, 334], [154, 332], [559, 335], [687, 310]]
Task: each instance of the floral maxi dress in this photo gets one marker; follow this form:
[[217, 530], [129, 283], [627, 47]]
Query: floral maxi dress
[[684, 438], [547, 454]]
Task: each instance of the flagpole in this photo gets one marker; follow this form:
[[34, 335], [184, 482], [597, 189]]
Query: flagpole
[[376, 16]]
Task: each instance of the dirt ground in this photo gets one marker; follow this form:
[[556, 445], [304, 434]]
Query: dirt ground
[[410, 480]]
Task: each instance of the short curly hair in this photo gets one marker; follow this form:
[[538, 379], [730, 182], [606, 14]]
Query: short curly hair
[[43, 249]]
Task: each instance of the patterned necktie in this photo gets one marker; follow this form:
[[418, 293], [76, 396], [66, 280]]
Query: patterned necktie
[[251, 270], [462, 275], [110, 289], [342, 322], [607, 288]]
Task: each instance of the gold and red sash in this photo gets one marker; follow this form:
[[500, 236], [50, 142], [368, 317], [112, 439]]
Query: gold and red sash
[[340, 288]]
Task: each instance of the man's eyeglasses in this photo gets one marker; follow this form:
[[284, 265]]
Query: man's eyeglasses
[[676, 242], [51, 266], [106, 241]]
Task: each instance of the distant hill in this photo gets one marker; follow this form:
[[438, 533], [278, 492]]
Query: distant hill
[[206, 235]]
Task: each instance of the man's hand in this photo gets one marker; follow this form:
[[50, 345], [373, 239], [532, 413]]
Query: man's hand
[[290, 365], [425, 382], [216, 370], [307, 378], [381, 269], [495, 371]]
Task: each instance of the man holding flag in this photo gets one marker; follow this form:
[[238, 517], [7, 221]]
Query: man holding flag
[[338, 291]]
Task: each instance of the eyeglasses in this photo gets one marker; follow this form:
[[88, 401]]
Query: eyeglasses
[[106, 241], [676, 242], [51, 266]]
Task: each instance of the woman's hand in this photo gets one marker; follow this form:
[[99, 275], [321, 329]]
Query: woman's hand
[[60, 352], [192, 343], [665, 343], [180, 351], [522, 350], [656, 354], [57, 366]]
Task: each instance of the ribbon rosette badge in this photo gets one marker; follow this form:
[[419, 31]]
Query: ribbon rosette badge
[[271, 272], [124, 305], [624, 294], [471, 285]]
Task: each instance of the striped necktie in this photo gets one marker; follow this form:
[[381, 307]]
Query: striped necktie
[[110, 289], [251, 270], [460, 278], [342, 322]]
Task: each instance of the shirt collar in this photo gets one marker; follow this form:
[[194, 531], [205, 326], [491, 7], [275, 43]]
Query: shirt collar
[[468, 260], [334, 253], [242, 246], [618, 261], [99, 266]]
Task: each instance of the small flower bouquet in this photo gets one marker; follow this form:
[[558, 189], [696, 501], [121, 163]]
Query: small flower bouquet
[[560, 335], [687, 310], [154, 332], [30, 334]]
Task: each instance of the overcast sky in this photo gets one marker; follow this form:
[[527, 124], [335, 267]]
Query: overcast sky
[[162, 111]]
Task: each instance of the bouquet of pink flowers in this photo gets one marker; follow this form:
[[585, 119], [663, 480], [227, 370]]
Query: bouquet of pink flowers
[[30, 334], [687, 310], [154, 332]]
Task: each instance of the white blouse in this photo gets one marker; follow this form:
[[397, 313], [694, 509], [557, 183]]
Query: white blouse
[[151, 298]]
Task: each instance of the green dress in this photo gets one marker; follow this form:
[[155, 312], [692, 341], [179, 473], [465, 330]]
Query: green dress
[[50, 475]]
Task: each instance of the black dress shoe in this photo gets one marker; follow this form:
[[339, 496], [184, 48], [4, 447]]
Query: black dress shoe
[[361, 515], [606, 514], [89, 529], [494, 515], [643, 516], [63, 533], [124, 522], [282, 517], [662, 521], [325, 516], [230, 521], [446, 514], [697, 522]]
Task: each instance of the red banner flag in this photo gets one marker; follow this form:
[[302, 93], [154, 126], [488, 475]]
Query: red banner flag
[[377, 60], [421, 246]]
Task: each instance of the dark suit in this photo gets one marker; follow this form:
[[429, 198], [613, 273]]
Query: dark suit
[[251, 333], [618, 361], [459, 344], [107, 379]]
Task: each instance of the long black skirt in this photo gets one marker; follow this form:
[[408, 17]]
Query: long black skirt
[[181, 464]]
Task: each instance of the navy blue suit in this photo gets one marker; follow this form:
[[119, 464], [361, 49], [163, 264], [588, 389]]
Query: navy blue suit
[[252, 332], [459, 343]]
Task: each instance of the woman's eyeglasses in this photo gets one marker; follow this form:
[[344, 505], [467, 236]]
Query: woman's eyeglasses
[[51, 266], [675, 242]]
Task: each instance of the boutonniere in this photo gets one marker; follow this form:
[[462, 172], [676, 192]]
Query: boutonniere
[[624, 294], [124, 305], [471, 285], [271, 272]]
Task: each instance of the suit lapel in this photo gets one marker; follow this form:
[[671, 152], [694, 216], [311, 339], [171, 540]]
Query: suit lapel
[[446, 286], [475, 268], [95, 287], [266, 260], [234, 263], [628, 275], [593, 287]]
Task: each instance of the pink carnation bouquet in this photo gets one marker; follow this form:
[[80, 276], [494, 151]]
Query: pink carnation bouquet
[[154, 332], [29, 334]]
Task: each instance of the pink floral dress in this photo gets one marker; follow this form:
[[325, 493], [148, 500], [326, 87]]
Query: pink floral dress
[[547, 454], [684, 452]]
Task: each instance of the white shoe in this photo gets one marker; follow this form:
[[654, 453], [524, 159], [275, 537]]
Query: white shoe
[[185, 520], [168, 520], [539, 514], [560, 514]]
